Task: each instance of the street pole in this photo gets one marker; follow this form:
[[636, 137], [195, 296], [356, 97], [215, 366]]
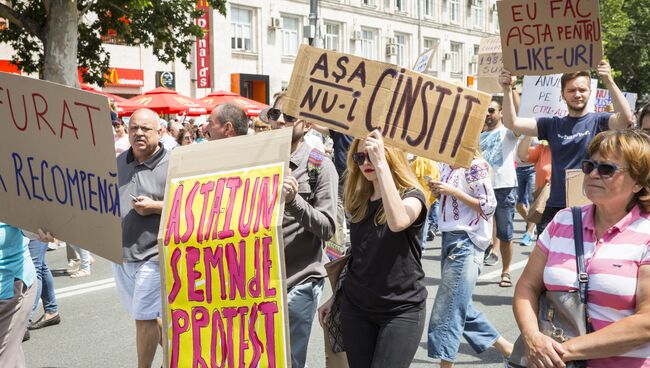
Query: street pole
[[314, 29]]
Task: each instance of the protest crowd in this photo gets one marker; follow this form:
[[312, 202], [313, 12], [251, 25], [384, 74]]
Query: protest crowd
[[358, 214]]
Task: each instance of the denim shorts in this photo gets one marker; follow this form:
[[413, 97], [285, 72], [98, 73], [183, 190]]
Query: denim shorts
[[505, 212], [526, 184], [138, 284]]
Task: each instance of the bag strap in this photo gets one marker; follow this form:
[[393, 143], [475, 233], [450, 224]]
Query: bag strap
[[583, 278], [314, 164]]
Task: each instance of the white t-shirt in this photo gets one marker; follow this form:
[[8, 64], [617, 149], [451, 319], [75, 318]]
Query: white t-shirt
[[168, 142], [121, 144], [498, 147], [455, 215]]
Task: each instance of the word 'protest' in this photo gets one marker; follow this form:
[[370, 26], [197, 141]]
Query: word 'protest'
[[223, 269], [420, 114], [550, 36]]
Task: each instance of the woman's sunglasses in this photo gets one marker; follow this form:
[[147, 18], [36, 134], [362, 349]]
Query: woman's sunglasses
[[274, 114], [603, 169], [360, 158], [491, 110]]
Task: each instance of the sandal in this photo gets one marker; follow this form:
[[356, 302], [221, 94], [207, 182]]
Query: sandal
[[506, 281], [80, 273]]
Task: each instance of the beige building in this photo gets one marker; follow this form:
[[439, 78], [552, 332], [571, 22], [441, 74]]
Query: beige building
[[253, 48]]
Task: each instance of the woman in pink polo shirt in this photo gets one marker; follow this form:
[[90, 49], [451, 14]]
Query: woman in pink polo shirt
[[616, 233]]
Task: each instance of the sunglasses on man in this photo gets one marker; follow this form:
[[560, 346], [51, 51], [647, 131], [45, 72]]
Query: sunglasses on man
[[603, 169], [274, 114]]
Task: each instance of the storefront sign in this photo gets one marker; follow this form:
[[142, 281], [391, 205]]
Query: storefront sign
[[121, 77], [203, 71], [166, 80]]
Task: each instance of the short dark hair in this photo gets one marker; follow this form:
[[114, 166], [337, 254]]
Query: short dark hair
[[498, 100], [234, 114], [645, 110], [566, 77]]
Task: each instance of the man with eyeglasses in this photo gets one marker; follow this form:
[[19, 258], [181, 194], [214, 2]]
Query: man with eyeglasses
[[309, 217], [568, 136], [142, 173], [498, 146]]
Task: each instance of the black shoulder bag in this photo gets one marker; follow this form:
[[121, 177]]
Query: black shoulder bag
[[561, 315]]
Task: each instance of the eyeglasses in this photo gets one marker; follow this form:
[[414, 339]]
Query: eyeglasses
[[274, 114], [360, 158], [604, 170], [491, 110], [187, 138]]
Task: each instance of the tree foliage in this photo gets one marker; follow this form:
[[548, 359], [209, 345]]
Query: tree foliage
[[166, 26], [626, 36]]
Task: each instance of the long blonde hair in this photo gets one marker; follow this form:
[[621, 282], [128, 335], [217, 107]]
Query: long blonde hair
[[358, 189]]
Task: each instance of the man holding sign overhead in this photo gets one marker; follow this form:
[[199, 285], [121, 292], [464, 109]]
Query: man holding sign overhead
[[570, 135]]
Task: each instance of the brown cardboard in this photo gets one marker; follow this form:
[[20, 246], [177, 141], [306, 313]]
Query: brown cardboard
[[490, 65], [57, 164], [574, 194], [191, 170], [352, 95], [548, 37]]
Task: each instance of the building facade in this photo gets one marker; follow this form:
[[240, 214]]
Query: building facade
[[253, 48]]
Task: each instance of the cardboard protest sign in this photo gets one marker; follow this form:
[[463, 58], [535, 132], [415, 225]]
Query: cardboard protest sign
[[542, 37], [57, 164], [423, 62], [604, 99], [574, 194], [415, 112], [541, 97], [222, 254], [490, 64]]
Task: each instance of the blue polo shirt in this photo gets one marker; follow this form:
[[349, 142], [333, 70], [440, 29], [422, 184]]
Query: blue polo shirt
[[15, 261]]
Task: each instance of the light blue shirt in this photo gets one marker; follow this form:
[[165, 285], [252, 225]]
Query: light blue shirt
[[15, 261]]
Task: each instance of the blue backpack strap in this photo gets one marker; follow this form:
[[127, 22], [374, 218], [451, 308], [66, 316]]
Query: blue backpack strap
[[583, 278], [314, 165]]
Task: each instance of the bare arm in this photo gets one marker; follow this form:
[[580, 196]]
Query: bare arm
[[522, 148], [623, 116], [529, 288], [621, 336], [400, 213], [527, 126]]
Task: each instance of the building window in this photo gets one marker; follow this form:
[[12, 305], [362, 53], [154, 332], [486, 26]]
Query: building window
[[400, 5], [473, 65], [241, 29], [431, 8], [290, 36], [456, 62], [432, 43], [495, 21], [401, 43], [332, 36], [477, 13], [368, 2], [369, 44], [454, 11]]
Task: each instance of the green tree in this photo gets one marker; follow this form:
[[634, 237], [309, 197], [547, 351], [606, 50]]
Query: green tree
[[626, 35], [54, 37]]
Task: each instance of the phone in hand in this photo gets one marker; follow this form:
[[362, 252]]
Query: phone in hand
[[133, 197], [428, 178]]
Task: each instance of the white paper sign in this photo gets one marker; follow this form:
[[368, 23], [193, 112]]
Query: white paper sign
[[541, 97]]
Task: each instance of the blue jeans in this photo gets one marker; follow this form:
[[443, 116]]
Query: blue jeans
[[525, 184], [303, 301], [45, 281], [453, 314], [505, 212], [430, 223]]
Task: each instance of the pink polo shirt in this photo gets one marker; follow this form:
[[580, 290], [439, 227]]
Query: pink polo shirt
[[613, 264]]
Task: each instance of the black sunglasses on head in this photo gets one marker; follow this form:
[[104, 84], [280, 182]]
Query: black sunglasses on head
[[360, 158], [274, 114], [603, 169]]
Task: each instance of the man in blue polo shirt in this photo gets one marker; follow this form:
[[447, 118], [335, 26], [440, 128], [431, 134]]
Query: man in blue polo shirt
[[142, 173], [569, 136]]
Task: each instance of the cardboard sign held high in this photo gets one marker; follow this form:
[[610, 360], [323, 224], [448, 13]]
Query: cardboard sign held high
[[490, 64], [417, 113], [542, 37]]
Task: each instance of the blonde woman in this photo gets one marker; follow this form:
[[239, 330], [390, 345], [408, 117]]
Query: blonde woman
[[383, 298]]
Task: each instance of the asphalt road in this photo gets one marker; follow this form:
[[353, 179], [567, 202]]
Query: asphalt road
[[97, 332]]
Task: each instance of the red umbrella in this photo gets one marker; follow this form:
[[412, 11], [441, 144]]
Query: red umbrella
[[167, 101], [251, 107], [124, 106]]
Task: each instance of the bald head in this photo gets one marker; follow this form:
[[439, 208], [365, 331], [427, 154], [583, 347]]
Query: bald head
[[144, 133], [145, 114]]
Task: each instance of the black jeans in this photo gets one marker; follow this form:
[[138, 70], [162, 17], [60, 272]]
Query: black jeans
[[380, 340], [547, 216]]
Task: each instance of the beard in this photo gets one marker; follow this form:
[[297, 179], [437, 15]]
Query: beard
[[577, 107]]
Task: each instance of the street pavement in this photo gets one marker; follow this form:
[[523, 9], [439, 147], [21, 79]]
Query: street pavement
[[96, 331]]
